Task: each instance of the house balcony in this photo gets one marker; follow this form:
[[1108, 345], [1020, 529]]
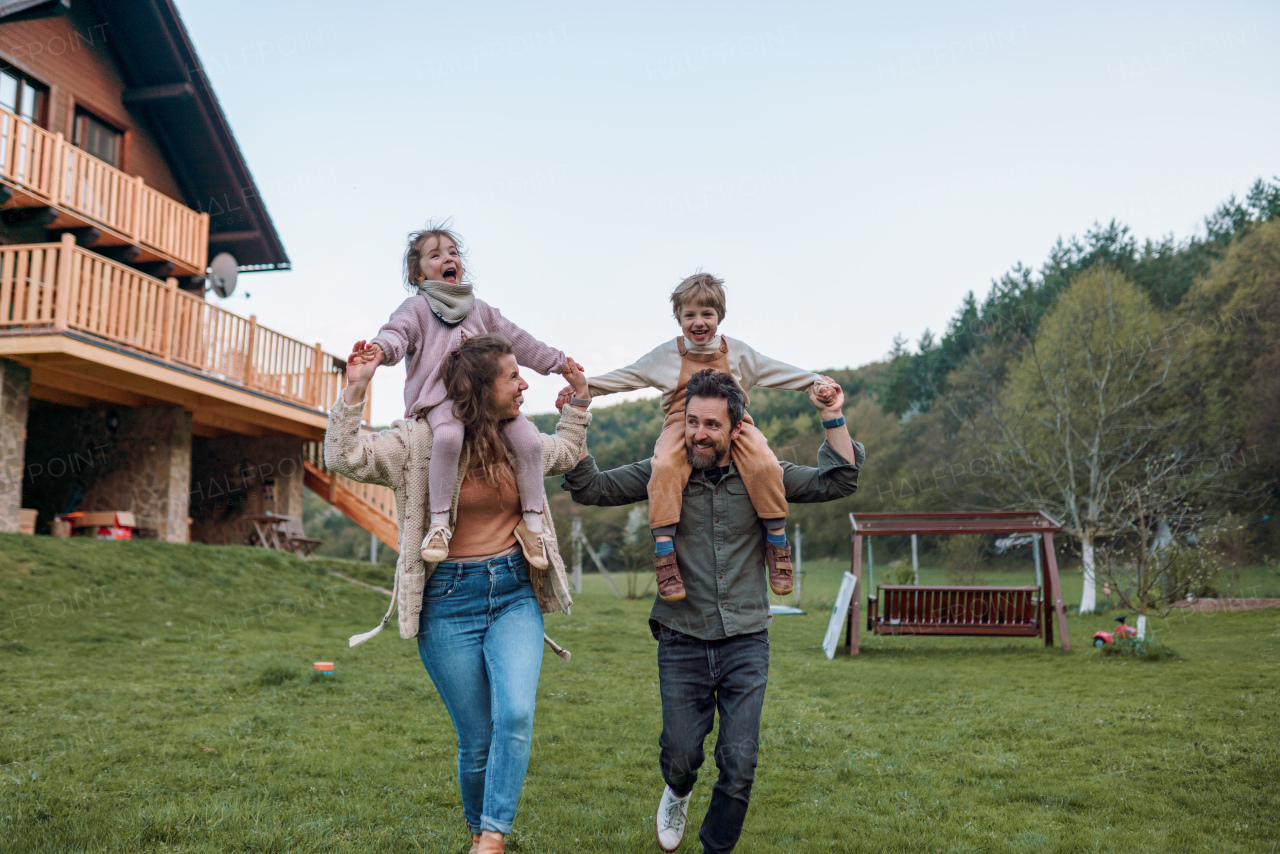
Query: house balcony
[[93, 330], [39, 169]]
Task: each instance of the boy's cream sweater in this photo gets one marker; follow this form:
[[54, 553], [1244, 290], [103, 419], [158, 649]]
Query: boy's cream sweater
[[660, 369]]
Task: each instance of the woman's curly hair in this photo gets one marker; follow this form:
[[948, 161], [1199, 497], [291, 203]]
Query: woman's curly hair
[[469, 373]]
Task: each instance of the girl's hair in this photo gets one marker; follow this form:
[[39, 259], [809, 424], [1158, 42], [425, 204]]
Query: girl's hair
[[418, 240], [469, 372]]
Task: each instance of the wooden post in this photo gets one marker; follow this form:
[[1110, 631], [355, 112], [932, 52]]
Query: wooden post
[[1053, 592], [855, 607], [313, 396], [915, 560], [248, 351], [600, 566], [62, 284], [202, 242], [799, 565], [134, 225], [575, 537], [1035, 550], [171, 309], [871, 564], [59, 164]]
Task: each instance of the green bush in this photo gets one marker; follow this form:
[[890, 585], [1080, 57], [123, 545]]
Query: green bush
[[1147, 649]]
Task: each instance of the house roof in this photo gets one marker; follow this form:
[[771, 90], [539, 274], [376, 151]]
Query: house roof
[[169, 92]]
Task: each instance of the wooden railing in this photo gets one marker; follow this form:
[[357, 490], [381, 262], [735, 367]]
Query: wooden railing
[[45, 166], [64, 286]]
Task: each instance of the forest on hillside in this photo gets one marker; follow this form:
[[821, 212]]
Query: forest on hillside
[[1130, 389]]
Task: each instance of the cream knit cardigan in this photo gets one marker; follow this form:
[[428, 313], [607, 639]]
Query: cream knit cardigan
[[399, 457]]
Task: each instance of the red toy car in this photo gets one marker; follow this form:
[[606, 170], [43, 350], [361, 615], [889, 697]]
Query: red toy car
[[1122, 631]]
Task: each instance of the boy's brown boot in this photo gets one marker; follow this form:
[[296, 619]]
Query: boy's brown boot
[[491, 843], [781, 576], [475, 843], [670, 585]]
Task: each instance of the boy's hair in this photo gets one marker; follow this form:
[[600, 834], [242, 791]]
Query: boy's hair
[[715, 384], [699, 289], [413, 251], [469, 372]]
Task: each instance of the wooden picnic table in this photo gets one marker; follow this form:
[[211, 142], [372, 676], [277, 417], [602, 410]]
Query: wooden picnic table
[[269, 529], [282, 533]]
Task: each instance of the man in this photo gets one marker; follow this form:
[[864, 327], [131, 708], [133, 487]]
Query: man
[[713, 645]]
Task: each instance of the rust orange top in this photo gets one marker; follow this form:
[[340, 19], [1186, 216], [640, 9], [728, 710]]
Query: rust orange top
[[487, 516]]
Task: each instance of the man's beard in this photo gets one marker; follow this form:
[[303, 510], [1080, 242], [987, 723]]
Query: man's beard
[[708, 459]]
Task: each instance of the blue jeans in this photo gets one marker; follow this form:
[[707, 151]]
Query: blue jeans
[[480, 638], [697, 678]]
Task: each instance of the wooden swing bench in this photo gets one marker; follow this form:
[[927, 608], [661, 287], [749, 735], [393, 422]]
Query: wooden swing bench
[[906, 609], [917, 610]]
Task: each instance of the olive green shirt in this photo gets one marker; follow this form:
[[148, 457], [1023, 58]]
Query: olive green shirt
[[719, 540]]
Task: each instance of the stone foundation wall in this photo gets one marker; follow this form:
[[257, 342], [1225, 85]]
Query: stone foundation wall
[[15, 383], [235, 476], [117, 458]]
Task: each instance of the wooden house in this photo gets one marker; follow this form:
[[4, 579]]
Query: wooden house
[[121, 386]]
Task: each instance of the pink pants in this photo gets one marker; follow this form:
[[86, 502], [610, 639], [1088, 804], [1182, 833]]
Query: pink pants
[[446, 454]]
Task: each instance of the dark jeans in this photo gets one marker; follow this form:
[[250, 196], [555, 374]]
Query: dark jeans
[[697, 678]]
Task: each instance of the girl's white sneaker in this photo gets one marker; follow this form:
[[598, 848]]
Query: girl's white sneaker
[[534, 546], [435, 545]]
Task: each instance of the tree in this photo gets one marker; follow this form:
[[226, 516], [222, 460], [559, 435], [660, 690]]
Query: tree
[[1232, 328], [1080, 413], [1162, 549]]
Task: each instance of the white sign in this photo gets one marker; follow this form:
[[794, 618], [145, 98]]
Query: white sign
[[838, 614]]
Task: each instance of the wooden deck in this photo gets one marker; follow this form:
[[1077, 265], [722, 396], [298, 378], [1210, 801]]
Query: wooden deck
[[92, 329], [39, 169]]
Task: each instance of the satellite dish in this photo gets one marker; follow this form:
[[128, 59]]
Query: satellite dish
[[222, 274]]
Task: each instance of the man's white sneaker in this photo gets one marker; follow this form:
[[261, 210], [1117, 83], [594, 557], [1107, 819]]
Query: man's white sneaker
[[673, 814]]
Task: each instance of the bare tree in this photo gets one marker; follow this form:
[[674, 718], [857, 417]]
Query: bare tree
[[1080, 413], [1165, 533]]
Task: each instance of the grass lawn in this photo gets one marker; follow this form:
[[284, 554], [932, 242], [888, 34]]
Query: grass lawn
[[158, 697]]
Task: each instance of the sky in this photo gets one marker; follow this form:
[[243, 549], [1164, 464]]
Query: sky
[[851, 170]]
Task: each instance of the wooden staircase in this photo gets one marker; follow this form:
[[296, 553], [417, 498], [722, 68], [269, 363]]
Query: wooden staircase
[[371, 507]]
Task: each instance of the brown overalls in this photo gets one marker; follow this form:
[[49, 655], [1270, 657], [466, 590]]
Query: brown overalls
[[759, 468]]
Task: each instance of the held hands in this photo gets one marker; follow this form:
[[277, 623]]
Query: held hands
[[567, 362], [826, 391], [828, 398], [362, 362], [577, 386]]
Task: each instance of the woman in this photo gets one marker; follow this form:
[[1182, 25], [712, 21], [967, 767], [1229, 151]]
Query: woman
[[477, 615]]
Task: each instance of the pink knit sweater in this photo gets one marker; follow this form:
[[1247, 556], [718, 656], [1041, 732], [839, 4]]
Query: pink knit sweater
[[416, 334]]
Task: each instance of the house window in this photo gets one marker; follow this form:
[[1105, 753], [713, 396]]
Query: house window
[[97, 138], [20, 95]]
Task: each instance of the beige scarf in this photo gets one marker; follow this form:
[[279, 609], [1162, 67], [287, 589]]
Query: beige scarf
[[449, 302]]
